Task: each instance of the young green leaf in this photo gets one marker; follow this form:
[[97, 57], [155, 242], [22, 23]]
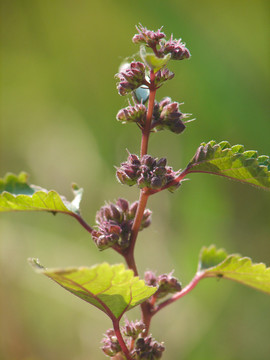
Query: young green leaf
[[111, 288], [152, 60], [232, 162], [217, 263], [17, 195]]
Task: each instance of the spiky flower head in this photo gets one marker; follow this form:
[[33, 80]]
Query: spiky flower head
[[136, 114], [131, 77], [177, 49], [133, 329], [111, 345], [163, 75], [148, 37], [147, 172], [166, 283], [167, 115], [114, 224], [148, 349]]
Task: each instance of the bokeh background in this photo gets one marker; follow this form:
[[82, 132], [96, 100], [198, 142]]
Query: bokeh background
[[59, 103]]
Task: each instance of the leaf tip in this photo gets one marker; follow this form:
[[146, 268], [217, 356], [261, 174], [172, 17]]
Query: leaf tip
[[36, 264]]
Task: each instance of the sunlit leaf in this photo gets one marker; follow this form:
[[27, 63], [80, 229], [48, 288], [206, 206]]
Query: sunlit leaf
[[232, 162], [111, 288], [153, 61], [217, 263], [17, 195]]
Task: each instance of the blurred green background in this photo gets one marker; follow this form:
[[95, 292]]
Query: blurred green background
[[58, 123]]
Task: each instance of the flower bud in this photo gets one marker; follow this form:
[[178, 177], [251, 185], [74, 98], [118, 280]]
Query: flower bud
[[115, 212], [123, 204], [162, 162], [150, 278], [146, 220], [103, 241], [157, 182], [148, 160], [124, 178], [129, 171]]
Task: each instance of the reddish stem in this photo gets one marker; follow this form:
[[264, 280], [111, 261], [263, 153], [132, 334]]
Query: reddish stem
[[120, 339], [82, 222], [147, 127], [138, 219], [129, 257], [179, 294]]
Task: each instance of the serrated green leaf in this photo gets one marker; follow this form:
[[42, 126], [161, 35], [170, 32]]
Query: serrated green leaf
[[111, 288], [232, 162], [217, 263], [153, 61], [17, 195]]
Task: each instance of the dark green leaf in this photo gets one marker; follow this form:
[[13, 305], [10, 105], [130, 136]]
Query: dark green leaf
[[232, 162]]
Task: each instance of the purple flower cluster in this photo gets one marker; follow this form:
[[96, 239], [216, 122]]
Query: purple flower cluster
[[148, 172], [115, 222], [131, 78], [163, 75], [166, 283], [148, 349], [141, 348], [176, 48], [111, 345], [167, 115], [133, 329], [161, 47], [136, 113], [148, 37]]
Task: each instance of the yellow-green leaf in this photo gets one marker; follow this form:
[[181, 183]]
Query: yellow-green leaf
[[17, 195], [111, 288], [217, 263]]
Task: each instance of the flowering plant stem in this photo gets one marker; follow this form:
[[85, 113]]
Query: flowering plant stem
[[115, 289], [120, 339], [129, 257], [147, 127]]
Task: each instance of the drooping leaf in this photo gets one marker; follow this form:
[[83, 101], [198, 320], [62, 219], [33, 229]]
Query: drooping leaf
[[17, 195], [111, 288], [232, 162], [217, 263]]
